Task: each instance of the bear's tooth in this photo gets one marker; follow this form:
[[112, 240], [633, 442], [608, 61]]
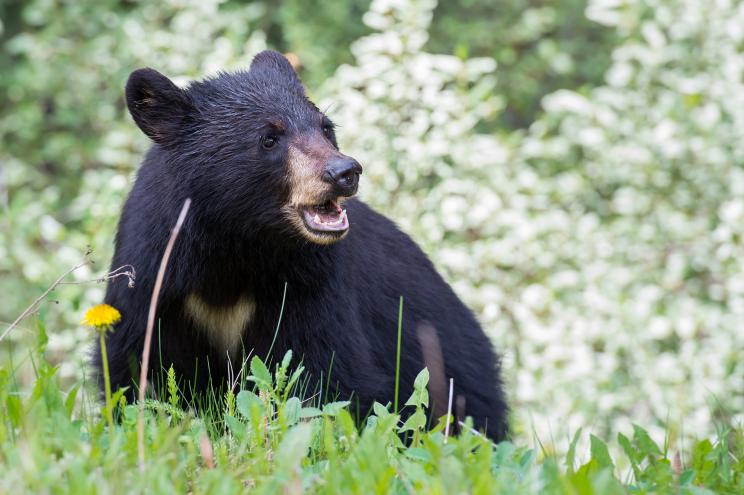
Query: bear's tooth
[[317, 218]]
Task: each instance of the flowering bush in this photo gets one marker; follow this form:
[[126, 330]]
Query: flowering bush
[[648, 173], [602, 250]]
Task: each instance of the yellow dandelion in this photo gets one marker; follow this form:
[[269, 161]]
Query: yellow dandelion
[[101, 316]]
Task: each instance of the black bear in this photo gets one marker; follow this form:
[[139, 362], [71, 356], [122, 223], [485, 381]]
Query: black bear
[[273, 211]]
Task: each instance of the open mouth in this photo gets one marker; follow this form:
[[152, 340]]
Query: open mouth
[[328, 218]]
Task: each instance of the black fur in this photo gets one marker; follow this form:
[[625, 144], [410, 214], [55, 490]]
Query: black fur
[[342, 299]]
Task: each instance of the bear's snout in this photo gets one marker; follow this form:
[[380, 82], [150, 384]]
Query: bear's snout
[[342, 173]]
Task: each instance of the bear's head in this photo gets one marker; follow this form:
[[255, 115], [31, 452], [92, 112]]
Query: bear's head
[[250, 149]]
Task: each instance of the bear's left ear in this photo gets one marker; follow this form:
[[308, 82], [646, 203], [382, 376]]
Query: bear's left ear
[[270, 63], [159, 107]]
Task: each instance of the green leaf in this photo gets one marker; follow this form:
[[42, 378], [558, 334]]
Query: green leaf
[[70, 400], [130, 414], [633, 455], [422, 379], [15, 409], [702, 460], [294, 446], [418, 454], [415, 422], [41, 337], [687, 477], [571, 454], [627, 447], [116, 397], [526, 460], [333, 408], [600, 453], [236, 427], [584, 474], [643, 440], [259, 371], [291, 410], [420, 396], [346, 423], [371, 423], [310, 412], [380, 410], [287, 359], [245, 401], [292, 379]]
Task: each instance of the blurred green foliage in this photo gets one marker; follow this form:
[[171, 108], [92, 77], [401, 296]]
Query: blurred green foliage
[[540, 46]]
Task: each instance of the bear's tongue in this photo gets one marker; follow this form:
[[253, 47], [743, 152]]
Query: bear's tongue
[[329, 217]]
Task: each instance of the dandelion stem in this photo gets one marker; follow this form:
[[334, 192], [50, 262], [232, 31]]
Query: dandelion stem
[[106, 380]]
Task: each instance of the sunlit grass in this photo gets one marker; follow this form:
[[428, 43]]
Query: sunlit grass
[[267, 438]]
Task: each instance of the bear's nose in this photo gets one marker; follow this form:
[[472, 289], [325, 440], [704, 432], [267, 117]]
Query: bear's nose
[[343, 173]]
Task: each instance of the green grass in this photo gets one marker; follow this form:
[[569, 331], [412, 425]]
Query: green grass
[[266, 439]]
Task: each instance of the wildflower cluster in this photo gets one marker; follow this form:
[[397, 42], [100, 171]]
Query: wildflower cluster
[[602, 250]]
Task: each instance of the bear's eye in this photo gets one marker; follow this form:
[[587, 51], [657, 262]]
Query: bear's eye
[[328, 131], [269, 141]]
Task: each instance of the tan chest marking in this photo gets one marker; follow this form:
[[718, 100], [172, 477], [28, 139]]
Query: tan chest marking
[[223, 325]]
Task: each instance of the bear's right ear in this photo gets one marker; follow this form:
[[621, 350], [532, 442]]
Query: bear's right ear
[[158, 106], [271, 64]]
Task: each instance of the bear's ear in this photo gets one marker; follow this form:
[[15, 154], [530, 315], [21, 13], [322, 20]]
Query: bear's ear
[[271, 63], [158, 106]]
